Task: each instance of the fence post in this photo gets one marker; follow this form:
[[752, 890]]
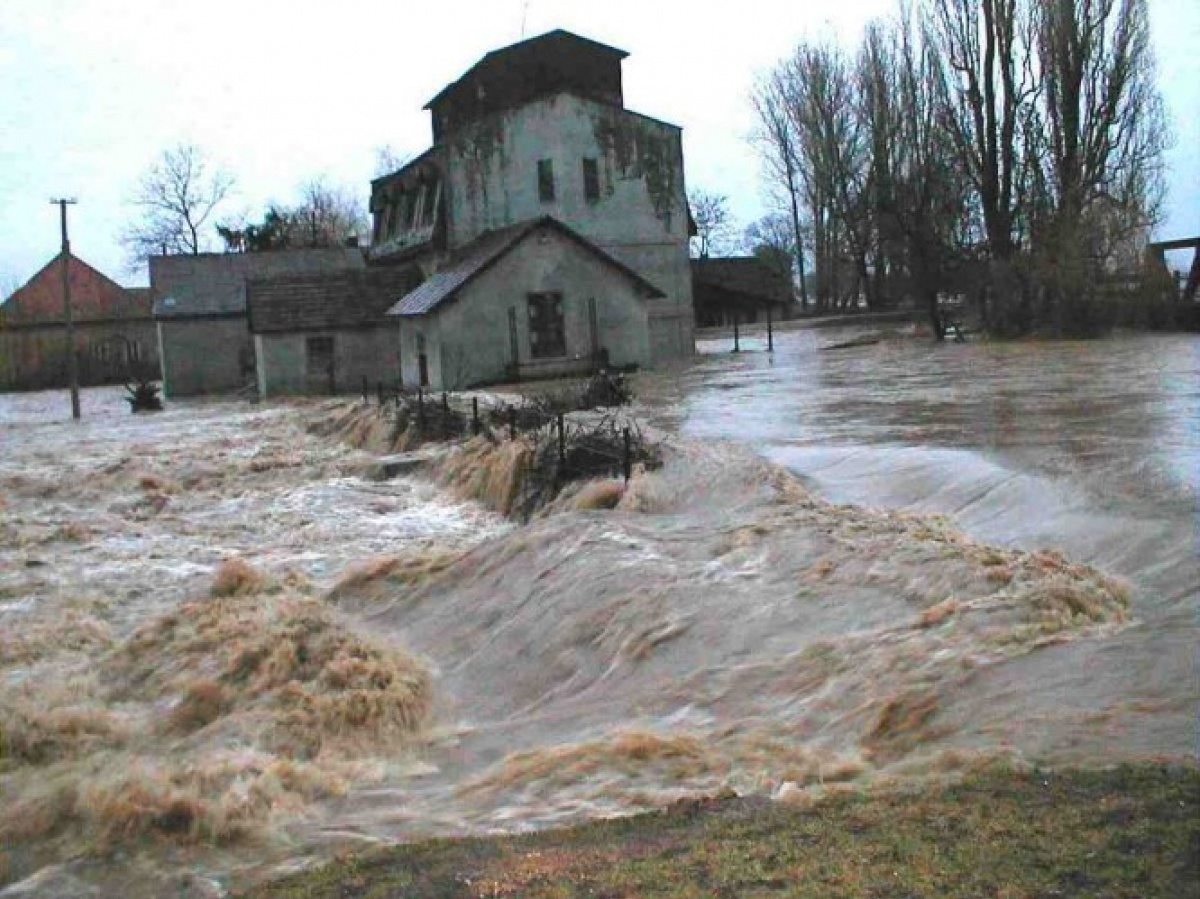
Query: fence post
[[445, 403], [737, 341], [512, 422], [421, 407], [562, 441], [474, 415], [379, 391], [366, 390], [770, 332], [627, 456]]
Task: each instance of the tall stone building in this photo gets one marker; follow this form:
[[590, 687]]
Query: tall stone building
[[538, 169]]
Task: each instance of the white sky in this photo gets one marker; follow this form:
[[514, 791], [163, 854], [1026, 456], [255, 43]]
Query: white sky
[[91, 91]]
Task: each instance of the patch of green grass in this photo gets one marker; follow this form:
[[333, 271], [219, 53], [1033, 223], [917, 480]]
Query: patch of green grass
[[1130, 831]]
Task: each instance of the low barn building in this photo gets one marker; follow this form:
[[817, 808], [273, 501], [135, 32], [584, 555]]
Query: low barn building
[[114, 330], [203, 336], [325, 334], [741, 288], [530, 300]]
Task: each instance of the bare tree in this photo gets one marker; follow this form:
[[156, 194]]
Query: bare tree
[[831, 163], [776, 140], [388, 159], [929, 209], [328, 215], [1105, 135], [714, 224], [1010, 150], [176, 197]]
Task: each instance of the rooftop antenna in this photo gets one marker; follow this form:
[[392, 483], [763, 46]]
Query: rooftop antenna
[[524, 16]]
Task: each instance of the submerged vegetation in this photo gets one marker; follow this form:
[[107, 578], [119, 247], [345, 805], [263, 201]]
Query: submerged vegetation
[[205, 723], [521, 458]]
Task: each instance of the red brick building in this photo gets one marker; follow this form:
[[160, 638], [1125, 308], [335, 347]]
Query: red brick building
[[114, 333]]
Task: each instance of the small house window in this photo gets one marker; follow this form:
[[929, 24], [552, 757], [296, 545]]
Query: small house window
[[547, 329], [591, 180], [546, 180], [320, 346]]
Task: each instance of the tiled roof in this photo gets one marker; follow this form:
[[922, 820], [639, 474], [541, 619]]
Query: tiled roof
[[94, 297], [745, 275], [477, 256], [333, 302], [214, 284]]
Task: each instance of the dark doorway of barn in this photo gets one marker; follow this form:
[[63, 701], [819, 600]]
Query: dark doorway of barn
[[319, 367]]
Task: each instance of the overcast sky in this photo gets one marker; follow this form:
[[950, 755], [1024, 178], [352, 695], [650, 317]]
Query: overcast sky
[[91, 91]]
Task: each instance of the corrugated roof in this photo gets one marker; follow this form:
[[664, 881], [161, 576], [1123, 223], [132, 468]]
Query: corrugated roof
[[214, 284], [477, 256], [334, 302]]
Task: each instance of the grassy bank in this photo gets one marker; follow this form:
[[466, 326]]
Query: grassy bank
[[1127, 831]]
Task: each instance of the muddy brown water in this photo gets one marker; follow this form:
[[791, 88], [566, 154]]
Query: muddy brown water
[[1091, 447], [837, 578]]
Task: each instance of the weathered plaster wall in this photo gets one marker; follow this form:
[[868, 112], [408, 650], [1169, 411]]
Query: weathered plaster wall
[[411, 332], [640, 216], [371, 353], [473, 342], [205, 355]]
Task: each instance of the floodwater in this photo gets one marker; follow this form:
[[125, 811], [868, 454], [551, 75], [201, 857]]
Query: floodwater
[[856, 567], [1089, 447]]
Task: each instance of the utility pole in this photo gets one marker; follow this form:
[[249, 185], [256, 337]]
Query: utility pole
[[72, 366]]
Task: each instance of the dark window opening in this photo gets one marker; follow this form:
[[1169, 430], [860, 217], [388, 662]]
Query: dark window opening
[[591, 180], [547, 327], [546, 180], [320, 348]]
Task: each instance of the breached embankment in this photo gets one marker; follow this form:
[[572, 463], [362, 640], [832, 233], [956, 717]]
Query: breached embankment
[[710, 626]]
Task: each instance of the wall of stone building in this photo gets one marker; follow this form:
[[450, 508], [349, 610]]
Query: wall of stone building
[[34, 358], [417, 333], [372, 354], [205, 355], [469, 338], [640, 216]]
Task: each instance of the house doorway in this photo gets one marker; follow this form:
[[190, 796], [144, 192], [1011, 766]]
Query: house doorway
[[319, 364]]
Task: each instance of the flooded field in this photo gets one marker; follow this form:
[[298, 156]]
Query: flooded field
[[226, 651]]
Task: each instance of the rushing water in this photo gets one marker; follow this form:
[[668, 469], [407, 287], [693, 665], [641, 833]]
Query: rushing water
[[1093, 447], [724, 627]]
